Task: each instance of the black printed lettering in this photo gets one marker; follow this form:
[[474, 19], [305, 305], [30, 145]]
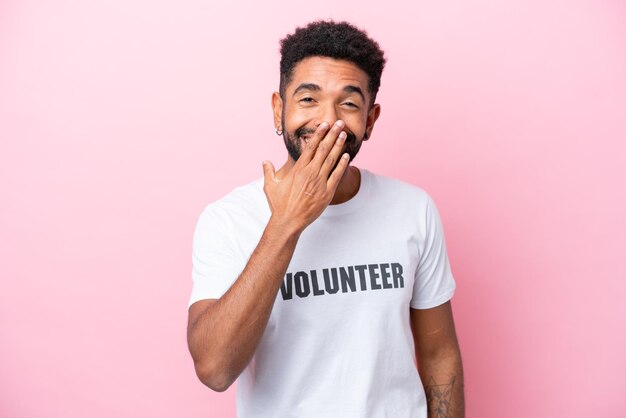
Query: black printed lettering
[[334, 287], [285, 287], [301, 283], [316, 287], [347, 279], [396, 271], [384, 274], [379, 276], [361, 270], [373, 276]]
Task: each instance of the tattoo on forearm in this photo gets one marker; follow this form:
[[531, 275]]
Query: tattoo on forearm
[[439, 397]]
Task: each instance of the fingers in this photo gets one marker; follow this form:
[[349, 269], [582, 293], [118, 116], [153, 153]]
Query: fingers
[[337, 174], [269, 172], [308, 149], [333, 155], [326, 145]]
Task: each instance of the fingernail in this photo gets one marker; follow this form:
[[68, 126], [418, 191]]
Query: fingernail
[[342, 135], [323, 125], [339, 124]]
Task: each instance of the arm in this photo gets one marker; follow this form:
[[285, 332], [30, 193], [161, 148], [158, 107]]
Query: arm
[[439, 361], [222, 334]]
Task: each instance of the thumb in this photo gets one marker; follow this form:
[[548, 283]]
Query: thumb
[[268, 172]]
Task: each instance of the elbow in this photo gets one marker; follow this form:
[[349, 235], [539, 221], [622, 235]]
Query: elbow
[[215, 379]]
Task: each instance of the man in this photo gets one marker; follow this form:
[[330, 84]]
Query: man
[[317, 284]]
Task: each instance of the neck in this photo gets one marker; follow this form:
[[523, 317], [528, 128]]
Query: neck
[[348, 185]]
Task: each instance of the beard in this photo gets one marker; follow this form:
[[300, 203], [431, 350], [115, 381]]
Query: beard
[[293, 142]]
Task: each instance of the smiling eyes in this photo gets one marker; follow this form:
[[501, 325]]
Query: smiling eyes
[[310, 100]]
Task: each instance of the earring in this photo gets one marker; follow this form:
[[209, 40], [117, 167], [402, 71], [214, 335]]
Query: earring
[[279, 132]]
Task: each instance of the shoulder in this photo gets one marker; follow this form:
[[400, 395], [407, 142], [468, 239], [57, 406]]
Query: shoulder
[[397, 190], [245, 198]]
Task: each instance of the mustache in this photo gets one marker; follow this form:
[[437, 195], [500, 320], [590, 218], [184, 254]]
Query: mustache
[[350, 137]]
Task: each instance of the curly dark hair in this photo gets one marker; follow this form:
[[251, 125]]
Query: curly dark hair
[[339, 40]]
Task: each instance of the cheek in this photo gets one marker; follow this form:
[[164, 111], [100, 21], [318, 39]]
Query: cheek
[[297, 119], [357, 126]]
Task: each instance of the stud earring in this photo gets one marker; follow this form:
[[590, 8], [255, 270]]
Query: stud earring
[[279, 132]]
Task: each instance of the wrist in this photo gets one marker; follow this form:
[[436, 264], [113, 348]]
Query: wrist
[[284, 227]]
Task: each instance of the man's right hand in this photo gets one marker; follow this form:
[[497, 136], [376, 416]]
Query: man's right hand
[[307, 189]]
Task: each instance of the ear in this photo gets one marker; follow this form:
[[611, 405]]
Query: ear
[[372, 116], [277, 107]]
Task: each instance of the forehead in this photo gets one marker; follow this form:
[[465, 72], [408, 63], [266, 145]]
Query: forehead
[[328, 73]]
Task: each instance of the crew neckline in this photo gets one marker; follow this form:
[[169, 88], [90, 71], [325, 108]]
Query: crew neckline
[[341, 208]]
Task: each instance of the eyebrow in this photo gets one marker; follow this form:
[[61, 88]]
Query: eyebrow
[[307, 86], [354, 89], [315, 87]]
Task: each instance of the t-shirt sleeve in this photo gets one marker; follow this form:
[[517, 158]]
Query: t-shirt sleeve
[[215, 262], [434, 283]]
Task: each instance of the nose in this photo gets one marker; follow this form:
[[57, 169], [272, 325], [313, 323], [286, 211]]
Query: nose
[[327, 112]]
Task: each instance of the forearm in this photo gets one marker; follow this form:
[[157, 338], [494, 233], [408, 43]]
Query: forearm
[[223, 339], [442, 376]]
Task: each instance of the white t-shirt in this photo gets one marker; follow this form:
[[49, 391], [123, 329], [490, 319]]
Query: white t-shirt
[[338, 342]]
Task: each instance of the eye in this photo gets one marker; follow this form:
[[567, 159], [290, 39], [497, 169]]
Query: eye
[[350, 104], [306, 100]]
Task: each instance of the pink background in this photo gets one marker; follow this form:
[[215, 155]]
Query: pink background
[[121, 119]]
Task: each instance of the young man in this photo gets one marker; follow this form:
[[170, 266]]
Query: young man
[[318, 284]]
